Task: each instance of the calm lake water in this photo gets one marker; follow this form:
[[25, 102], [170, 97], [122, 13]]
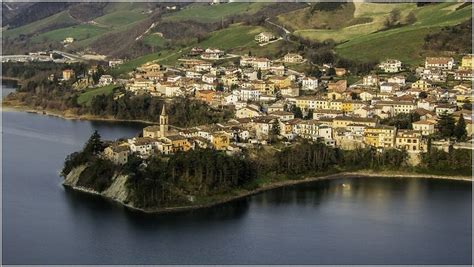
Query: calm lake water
[[372, 221]]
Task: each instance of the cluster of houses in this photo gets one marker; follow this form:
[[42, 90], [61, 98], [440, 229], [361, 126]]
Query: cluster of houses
[[265, 94]]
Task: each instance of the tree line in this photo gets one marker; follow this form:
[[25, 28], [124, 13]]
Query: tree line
[[175, 179]]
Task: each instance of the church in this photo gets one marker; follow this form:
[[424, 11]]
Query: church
[[158, 131]]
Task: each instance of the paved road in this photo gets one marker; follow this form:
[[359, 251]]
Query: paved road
[[287, 32]]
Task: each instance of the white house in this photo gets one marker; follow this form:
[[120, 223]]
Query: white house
[[445, 63], [105, 80], [309, 83], [247, 94], [391, 65]]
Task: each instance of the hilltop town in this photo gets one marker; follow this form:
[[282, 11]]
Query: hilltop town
[[390, 108], [247, 103]]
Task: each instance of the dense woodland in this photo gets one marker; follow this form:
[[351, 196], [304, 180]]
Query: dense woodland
[[175, 179]]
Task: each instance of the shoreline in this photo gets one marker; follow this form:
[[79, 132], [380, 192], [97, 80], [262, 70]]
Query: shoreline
[[64, 115], [356, 174]]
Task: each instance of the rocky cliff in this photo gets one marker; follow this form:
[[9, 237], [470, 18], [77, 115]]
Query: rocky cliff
[[117, 191]]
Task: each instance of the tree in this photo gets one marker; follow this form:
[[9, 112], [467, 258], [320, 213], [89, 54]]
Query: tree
[[259, 74], [422, 95], [411, 18], [276, 128], [297, 112], [94, 145], [460, 129], [393, 18], [331, 72], [354, 96], [220, 87], [445, 125]]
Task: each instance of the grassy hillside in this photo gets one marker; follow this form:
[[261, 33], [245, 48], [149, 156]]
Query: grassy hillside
[[234, 36], [78, 32], [203, 12], [86, 97], [343, 24], [117, 17], [53, 21], [154, 40], [120, 18], [405, 43]]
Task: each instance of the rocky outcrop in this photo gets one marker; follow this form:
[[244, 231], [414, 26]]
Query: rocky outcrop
[[117, 191], [73, 176]]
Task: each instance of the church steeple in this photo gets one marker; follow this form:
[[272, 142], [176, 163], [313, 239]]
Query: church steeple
[[163, 122], [163, 111]]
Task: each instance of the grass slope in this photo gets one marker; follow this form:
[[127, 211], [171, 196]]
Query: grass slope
[[40, 25], [86, 97], [365, 18], [233, 37], [120, 18], [212, 13], [236, 38], [78, 32], [405, 43]]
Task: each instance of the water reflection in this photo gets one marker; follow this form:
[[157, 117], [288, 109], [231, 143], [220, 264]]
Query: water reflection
[[368, 221]]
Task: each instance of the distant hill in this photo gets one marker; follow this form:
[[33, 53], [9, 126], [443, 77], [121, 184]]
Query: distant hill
[[363, 33], [30, 13], [360, 31]]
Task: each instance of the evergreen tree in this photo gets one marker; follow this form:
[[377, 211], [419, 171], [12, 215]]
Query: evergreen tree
[[445, 125], [94, 145], [275, 128], [297, 112], [460, 129], [259, 74]]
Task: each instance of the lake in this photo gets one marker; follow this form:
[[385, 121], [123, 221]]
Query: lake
[[367, 221]]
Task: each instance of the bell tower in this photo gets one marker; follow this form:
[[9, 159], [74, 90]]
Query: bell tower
[[163, 122]]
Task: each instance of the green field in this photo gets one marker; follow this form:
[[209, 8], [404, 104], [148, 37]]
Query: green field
[[154, 40], [211, 13], [86, 97], [78, 32], [40, 25], [164, 57], [404, 43], [234, 36], [365, 19], [120, 18]]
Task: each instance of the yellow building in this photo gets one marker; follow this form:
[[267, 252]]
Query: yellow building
[[466, 62], [220, 140], [68, 74], [380, 136], [347, 106], [335, 95], [178, 142], [280, 81], [117, 153], [410, 140], [421, 84], [343, 122]]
